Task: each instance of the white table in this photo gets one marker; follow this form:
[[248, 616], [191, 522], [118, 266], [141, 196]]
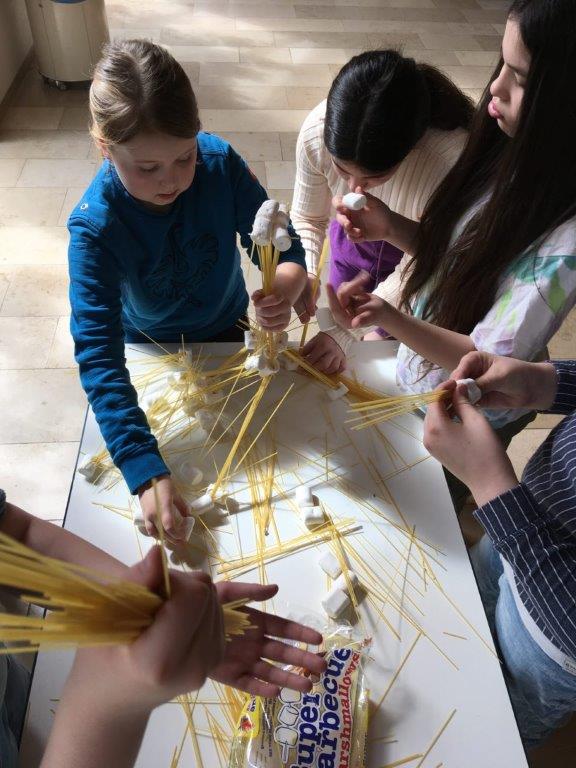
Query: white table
[[441, 677]]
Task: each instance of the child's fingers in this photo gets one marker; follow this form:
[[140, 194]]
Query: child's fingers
[[274, 650], [270, 301], [230, 590], [287, 629], [281, 677], [437, 412], [364, 318]]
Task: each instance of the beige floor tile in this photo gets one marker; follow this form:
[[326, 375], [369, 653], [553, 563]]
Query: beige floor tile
[[73, 195], [37, 476], [524, 446], [474, 93], [39, 290], [10, 170], [436, 58], [470, 77], [19, 207], [308, 98], [456, 4], [25, 342], [203, 53], [57, 173], [563, 344], [281, 173], [500, 28], [449, 42], [471, 28], [255, 146], [486, 16], [61, 354], [322, 55], [4, 285], [489, 42], [192, 69], [258, 168], [41, 406], [282, 195], [478, 58], [191, 35], [288, 144], [395, 40], [33, 245], [75, 119], [252, 120], [545, 421], [262, 11], [376, 13], [291, 25], [264, 55], [199, 25], [321, 40], [123, 33], [240, 97], [34, 92], [265, 74], [33, 118], [30, 144]]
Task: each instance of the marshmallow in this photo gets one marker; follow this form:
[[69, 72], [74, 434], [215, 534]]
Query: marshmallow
[[336, 394], [281, 341], [249, 340], [286, 736], [264, 222], [281, 239], [88, 467], [329, 564], [474, 391], [202, 504], [325, 319], [342, 584], [189, 473], [335, 603], [178, 380], [251, 363], [304, 497], [354, 201], [206, 419], [313, 517], [267, 367]]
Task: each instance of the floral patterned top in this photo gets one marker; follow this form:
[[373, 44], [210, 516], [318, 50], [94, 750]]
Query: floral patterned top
[[535, 295]]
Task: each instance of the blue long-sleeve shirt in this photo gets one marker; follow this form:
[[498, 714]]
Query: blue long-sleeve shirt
[[533, 526], [133, 269]]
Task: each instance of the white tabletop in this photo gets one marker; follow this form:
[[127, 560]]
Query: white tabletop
[[444, 694]]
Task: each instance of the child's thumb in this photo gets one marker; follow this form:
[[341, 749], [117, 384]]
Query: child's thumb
[[462, 406]]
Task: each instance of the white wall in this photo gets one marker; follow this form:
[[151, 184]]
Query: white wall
[[15, 41]]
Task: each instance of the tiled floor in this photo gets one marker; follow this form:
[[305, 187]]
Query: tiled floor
[[257, 66]]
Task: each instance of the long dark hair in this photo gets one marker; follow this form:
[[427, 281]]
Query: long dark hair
[[530, 180], [381, 104]]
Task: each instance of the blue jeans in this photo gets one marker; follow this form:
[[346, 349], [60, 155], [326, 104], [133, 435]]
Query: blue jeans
[[542, 693]]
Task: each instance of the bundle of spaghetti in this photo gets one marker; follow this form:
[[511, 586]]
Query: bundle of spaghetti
[[85, 607], [386, 408], [323, 533], [309, 368], [358, 390]]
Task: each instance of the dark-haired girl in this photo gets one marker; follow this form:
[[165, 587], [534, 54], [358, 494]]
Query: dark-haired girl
[[389, 125], [494, 264]]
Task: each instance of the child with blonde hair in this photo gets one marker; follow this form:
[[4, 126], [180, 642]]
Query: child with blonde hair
[[153, 248]]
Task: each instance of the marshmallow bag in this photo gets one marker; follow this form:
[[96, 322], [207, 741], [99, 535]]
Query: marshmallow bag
[[325, 727]]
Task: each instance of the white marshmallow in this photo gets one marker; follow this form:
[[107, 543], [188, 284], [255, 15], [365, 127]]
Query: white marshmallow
[[335, 603], [206, 419], [342, 584], [202, 504], [249, 340], [189, 473], [178, 380], [251, 363], [329, 564], [313, 517], [354, 201], [474, 391], [304, 497], [325, 319], [281, 341], [88, 467], [267, 367], [336, 394], [287, 736], [281, 239], [263, 222]]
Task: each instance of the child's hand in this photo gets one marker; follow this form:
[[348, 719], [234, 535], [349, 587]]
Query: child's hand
[[244, 664], [325, 354], [168, 498], [305, 305], [468, 448], [509, 383], [370, 223], [273, 312], [174, 655], [352, 307]]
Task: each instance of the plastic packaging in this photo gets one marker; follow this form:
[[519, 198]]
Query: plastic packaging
[[325, 728]]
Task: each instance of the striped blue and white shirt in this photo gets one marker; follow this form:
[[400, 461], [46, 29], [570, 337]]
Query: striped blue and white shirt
[[533, 526]]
